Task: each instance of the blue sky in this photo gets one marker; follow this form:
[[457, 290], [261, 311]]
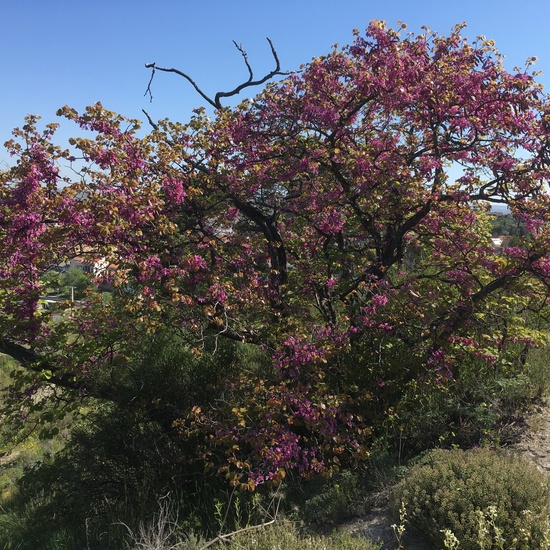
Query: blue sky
[[59, 52]]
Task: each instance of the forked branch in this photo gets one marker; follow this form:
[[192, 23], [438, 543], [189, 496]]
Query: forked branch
[[216, 102]]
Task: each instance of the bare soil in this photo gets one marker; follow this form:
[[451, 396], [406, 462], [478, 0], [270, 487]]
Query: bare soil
[[534, 441]]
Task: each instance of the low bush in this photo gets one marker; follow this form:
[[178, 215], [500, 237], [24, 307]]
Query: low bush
[[325, 503], [481, 496]]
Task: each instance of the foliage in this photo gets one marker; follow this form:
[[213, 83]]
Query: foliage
[[337, 223], [506, 224], [325, 504], [76, 280], [449, 490], [7, 364], [124, 456], [71, 283]]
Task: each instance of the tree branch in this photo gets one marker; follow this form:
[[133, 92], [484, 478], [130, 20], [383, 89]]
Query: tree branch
[[216, 102], [245, 58], [30, 360], [223, 538], [150, 120]]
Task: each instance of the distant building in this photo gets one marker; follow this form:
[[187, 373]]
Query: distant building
[[94, 266]]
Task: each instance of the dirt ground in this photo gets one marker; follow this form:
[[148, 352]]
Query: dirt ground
[[528, 435], [534, 441]]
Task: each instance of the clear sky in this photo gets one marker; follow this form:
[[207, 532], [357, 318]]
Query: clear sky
[[78, 52]]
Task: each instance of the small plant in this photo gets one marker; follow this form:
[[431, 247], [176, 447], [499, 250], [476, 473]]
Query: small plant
[[450, 542], [484, 499], [399, 530], [489, 534]]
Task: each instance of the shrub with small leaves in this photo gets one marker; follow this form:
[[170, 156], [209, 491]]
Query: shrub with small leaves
[[449, 490]]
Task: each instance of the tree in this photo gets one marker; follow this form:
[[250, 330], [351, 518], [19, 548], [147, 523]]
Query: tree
[[75, 282], [338, 222]]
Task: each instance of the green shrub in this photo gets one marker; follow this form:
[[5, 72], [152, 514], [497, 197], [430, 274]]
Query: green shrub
[[329, 502], [537, 370], [465, 491], [122, 457]]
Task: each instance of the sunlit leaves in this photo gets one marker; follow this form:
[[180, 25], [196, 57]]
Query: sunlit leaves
[[339, 221]]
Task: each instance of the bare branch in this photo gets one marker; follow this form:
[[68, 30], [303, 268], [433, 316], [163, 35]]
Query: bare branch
[[180, 73], [148, 90], [245, 57], [275, 72], [216, 102], [155, 126], [223, 538]]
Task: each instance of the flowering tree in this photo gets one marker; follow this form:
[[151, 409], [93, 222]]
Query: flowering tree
[[338, 221]]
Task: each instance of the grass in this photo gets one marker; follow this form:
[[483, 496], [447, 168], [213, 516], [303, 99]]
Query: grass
[[280, 535]]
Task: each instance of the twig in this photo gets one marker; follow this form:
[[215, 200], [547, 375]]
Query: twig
[[155, 126], [221, 538]]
